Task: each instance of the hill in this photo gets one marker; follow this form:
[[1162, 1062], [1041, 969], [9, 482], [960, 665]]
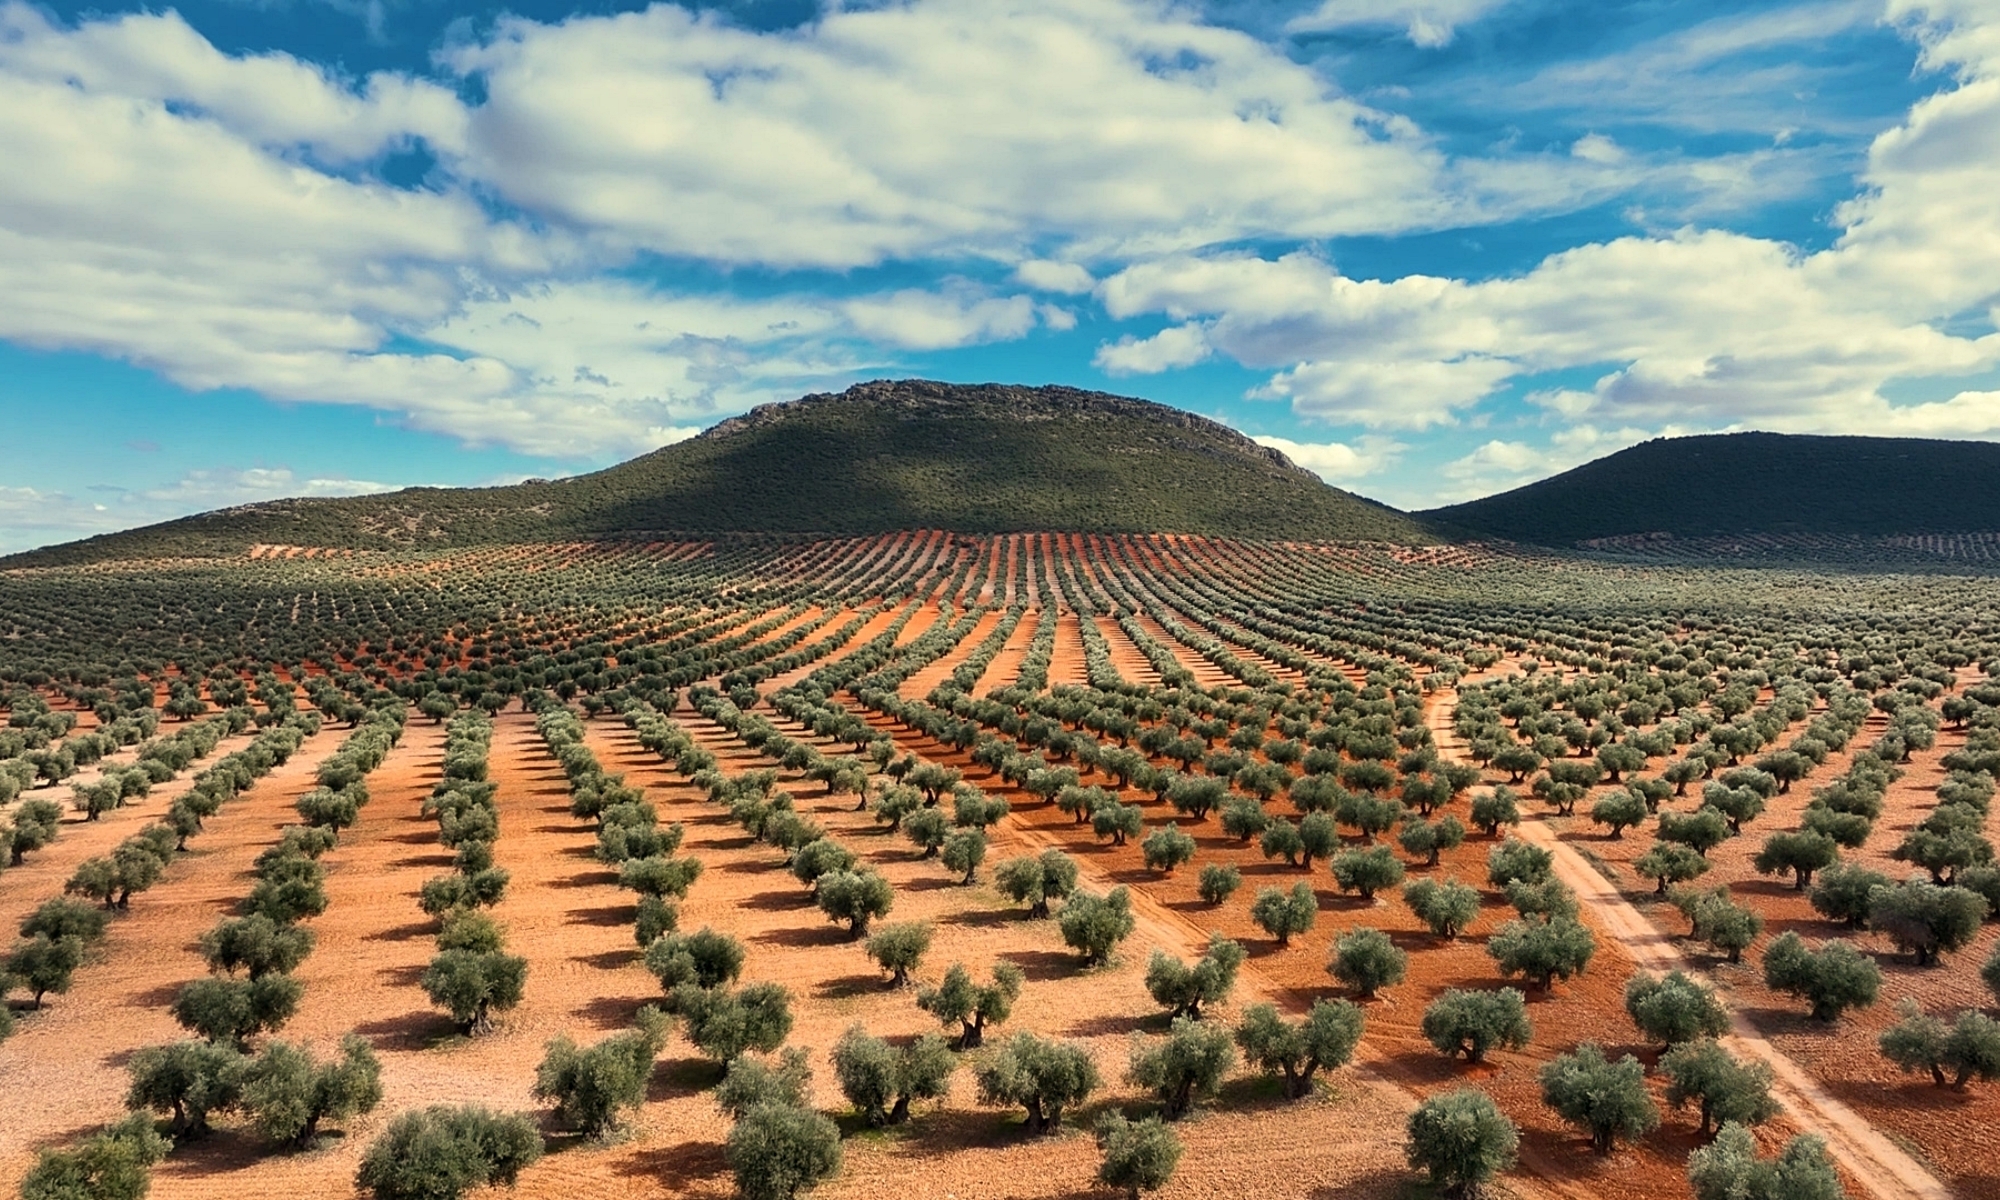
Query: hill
[[1737, 484], [885, 455]]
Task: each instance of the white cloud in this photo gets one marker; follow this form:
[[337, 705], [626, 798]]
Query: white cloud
[[1595, 147], [1428, 23], [269, 99], [1702, 328], [917, 319], [1339, 462], [1172, 347], [1065, 277], [952, 127]]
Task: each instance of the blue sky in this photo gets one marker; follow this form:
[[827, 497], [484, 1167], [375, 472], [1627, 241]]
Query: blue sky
[[1433, 249]]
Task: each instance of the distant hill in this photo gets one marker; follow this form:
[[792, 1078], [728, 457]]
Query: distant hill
[[1746, 484], [880, 456]]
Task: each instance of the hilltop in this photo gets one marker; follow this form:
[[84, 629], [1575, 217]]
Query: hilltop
[[1737, 484], [880, 456]]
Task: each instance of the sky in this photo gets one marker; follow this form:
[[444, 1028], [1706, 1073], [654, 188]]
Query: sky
[[1432, 249]]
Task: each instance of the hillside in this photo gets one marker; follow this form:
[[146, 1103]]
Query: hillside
[[880, 456], [1724, 485]]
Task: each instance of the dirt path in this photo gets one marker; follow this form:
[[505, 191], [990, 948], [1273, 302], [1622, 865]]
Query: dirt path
[[1870, 1158]]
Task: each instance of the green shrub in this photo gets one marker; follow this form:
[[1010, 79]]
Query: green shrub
[[1167, 848], [1182, 989], [1953, 1054], [229, 1012], [1036, 881]]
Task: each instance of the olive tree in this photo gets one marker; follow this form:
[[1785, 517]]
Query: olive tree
[[971, 1006], [289, 1096], [591, 1086], [1801, 854], [1324, 1039], [1186, 1066], [1285, 915], [443, 1152], [881, 1081], [856, 898], [1608, 1099], [1461, 1140], [1037, 880], [187, 1080], [1831, 980], [1953, 1054], [723, 1024], [1367, 961], [898, 949], [1728, 1169], [1041, 1076], [1542, 951], [472, 985], [1721, 1087], [1472, 1022], [1446, 906], [1139, 1156], [777, 1151], [1094, 925], [1182, 988], [1674, 1008]]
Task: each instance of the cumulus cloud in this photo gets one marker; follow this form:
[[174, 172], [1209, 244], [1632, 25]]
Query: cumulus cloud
[[1339, 462], [1428, 23], [1066, 277], [947, 127], [1702, 327], [918, 319], [1175, 346]]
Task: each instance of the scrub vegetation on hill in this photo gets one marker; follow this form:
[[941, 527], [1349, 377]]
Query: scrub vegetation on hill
[[1735, 484], [878, 457]]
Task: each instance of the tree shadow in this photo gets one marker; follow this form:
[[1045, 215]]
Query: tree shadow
[[847, 987], [1043, 964], [607, 960], [806, 937], [609, 915], [780, 901], [587, 879], [416, 1030]]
